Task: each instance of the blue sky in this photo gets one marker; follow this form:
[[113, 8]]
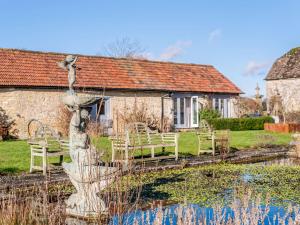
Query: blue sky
[[240, 38]]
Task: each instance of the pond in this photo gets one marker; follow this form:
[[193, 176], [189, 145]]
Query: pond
[[194, 214], [267, 189], [211, 194], [285, 161]]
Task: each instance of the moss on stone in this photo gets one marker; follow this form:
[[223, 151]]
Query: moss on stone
[[293, 51]]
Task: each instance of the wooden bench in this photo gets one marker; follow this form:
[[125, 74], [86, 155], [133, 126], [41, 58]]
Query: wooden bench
[[46, 143], [139, 136], [47, 148], [219, 139], [206, 135], [222, 142]]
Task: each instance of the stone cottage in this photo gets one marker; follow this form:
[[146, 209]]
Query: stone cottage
[[283, 82], [31, 86]]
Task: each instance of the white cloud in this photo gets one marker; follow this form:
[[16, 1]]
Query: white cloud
[[214, 35], [256, 68], [174, 50]]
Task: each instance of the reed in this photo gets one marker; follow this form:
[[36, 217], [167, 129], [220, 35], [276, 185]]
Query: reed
[[45, 205]]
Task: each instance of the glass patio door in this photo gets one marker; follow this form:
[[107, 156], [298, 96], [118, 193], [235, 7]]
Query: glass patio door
[[185, 112]]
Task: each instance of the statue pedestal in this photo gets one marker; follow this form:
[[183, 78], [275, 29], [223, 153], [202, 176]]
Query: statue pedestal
[[89, 181]]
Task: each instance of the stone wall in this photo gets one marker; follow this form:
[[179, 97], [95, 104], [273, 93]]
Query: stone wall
[[123, 104], [44, 104], [24, 105], [289, 90]]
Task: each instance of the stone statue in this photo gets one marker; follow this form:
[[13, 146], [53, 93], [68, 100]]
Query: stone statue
[[85, 173], [277, 109], [69, 64]]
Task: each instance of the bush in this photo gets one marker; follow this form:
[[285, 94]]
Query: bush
[[140, 113], [7, 124], [237, 124], [209, 114]]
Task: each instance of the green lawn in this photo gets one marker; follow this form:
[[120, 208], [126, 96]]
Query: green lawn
[[15, 155]]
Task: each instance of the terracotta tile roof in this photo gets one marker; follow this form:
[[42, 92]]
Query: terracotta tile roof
[[39, 69]]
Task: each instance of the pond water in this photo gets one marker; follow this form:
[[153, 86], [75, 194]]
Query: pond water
[[285, 161], [270, 190], [194, 214]]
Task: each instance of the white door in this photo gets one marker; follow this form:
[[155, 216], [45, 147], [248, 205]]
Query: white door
[[186, 112], [194, 111]]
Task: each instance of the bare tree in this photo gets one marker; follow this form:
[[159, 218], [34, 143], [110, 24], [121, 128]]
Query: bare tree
[[125, 48]]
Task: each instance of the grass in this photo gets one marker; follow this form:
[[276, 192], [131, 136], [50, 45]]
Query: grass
[[15, 155], [238, 139]]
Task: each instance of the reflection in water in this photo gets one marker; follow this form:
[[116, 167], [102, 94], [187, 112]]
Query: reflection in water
[[194, 214]]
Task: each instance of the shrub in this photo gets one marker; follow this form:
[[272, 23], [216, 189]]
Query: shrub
[[96, 129], [265, 140], [209, 114], [140, 113], [6, 126], [237, 124]]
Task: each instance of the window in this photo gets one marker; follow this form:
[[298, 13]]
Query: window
[[98, 109], [181, 110], [175, 110], [221, 105], [101, 108], [195, 110], [216, 105]]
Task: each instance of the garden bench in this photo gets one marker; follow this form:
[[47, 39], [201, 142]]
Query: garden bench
[[206, 135], [49, 147], [139, 136], [45, 143], [222, 141], [216, 139]]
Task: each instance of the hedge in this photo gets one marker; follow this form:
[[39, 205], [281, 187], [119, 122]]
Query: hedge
[[236, 124]]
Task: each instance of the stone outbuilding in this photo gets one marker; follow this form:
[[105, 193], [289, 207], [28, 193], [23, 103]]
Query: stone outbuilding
[[32, 84], [283, 82]]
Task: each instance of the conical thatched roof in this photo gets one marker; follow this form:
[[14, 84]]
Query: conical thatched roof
[[287, 66]]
